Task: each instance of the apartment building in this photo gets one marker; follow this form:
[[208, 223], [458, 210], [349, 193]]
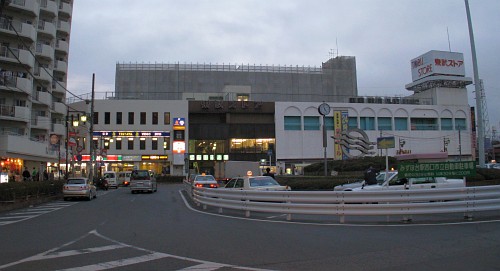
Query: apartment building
[[34, 50]]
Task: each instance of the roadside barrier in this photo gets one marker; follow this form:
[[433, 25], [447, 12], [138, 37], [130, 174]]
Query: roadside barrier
[[466, 200]]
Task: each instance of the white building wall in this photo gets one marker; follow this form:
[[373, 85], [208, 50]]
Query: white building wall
[[308, 145]]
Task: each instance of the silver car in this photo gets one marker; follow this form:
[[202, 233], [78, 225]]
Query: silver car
[[142, 181], [79, 187]]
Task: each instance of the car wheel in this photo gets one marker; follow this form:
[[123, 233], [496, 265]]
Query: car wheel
[[90, 196]]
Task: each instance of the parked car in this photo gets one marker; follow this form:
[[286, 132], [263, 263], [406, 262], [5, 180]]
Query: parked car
[[380, 180], [396, 183], [142, 181], [124, 178], [264, 183], [111, 177], [79, 187]]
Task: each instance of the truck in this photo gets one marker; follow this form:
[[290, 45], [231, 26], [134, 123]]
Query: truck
[[225, 170]]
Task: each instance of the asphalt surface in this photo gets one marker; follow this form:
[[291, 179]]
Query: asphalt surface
[[166, 231]]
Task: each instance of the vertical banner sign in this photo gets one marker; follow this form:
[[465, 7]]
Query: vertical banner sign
[[473, 126], [345, 126], [337, 127]]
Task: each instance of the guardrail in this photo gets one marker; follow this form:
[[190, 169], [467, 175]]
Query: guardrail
[[467, 200]]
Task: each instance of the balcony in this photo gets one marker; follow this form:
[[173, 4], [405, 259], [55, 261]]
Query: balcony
[[42, 123], [59, 108], [47, 28], [22, 144], [49, 7], [44, 51], [65, 9], [59, 129], [62, 46], [28, 7], [14, 56], [23, 29], [63, 26], [60, 66], [21, 113], [16, 84], [43, 97], [43, 74], [59, 87]]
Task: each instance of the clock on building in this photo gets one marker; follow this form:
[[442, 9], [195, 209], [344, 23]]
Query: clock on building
[[324, 109]]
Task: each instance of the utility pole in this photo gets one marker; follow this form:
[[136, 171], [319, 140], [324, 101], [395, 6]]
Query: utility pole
[[91, 131], [477, 85]]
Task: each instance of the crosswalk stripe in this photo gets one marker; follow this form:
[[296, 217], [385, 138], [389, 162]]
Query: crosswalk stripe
[[119, 263], [204, 267]]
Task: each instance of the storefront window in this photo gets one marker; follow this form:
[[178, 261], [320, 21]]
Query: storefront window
[[260, 145]]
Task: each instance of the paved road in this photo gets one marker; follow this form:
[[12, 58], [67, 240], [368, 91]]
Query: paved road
[[162, 231]]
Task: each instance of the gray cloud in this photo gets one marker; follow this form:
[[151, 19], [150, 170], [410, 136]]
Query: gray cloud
[[383, 35]]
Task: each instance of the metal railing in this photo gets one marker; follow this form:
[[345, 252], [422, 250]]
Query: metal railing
[[466, 200]]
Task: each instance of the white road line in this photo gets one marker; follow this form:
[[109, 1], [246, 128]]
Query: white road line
[[15, 217], [118, 263], [79, 252], [204, 267]]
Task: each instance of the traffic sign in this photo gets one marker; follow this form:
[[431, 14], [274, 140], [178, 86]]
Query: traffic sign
[[79, 148], [79, 157]]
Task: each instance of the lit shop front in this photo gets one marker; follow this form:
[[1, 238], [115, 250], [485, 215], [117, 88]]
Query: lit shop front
[[111, 162]]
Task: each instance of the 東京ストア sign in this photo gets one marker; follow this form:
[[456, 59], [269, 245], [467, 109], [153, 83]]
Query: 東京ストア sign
[[440, 169]]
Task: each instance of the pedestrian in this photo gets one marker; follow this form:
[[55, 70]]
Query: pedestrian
[[371, 175], [268, 173], [26, 174], [34, 174], [45, 175]]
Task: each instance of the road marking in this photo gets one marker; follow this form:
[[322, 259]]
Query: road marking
[[118, 263], [148, 255], [16, 216]]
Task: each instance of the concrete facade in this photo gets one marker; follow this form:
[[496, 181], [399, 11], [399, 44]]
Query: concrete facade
[[335, 81]]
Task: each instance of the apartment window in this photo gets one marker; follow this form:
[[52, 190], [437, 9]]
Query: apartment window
[[329, 123], [242, 97], [143, 118], [292, 123], [131, 143], [367, 123], [154, 143], [460, 124], [446, 124], [118, 117], [130, 117], [311, 123], [95, 118], [401, 124], [166, 118], [118, 144], [424, 124], [142, 143], [384, 124], [154, 118], [352, 122], [107, 117]]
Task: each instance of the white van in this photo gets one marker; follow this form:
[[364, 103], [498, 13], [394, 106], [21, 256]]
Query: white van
[[111, 177], [124, 178]]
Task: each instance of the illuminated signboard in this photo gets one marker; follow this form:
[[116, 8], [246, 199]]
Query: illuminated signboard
[[179, 146], [154, 157], [179, 124], [132, 133]]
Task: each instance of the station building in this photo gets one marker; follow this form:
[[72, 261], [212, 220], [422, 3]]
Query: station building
[[288, 135]]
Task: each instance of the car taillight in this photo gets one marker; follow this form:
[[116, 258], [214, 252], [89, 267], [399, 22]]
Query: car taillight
[[198, 185], [213, 185]]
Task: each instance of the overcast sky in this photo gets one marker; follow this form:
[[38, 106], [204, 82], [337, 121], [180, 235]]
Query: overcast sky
[[383, 35]]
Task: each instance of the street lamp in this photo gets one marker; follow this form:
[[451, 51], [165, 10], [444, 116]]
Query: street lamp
[[75, 122]]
